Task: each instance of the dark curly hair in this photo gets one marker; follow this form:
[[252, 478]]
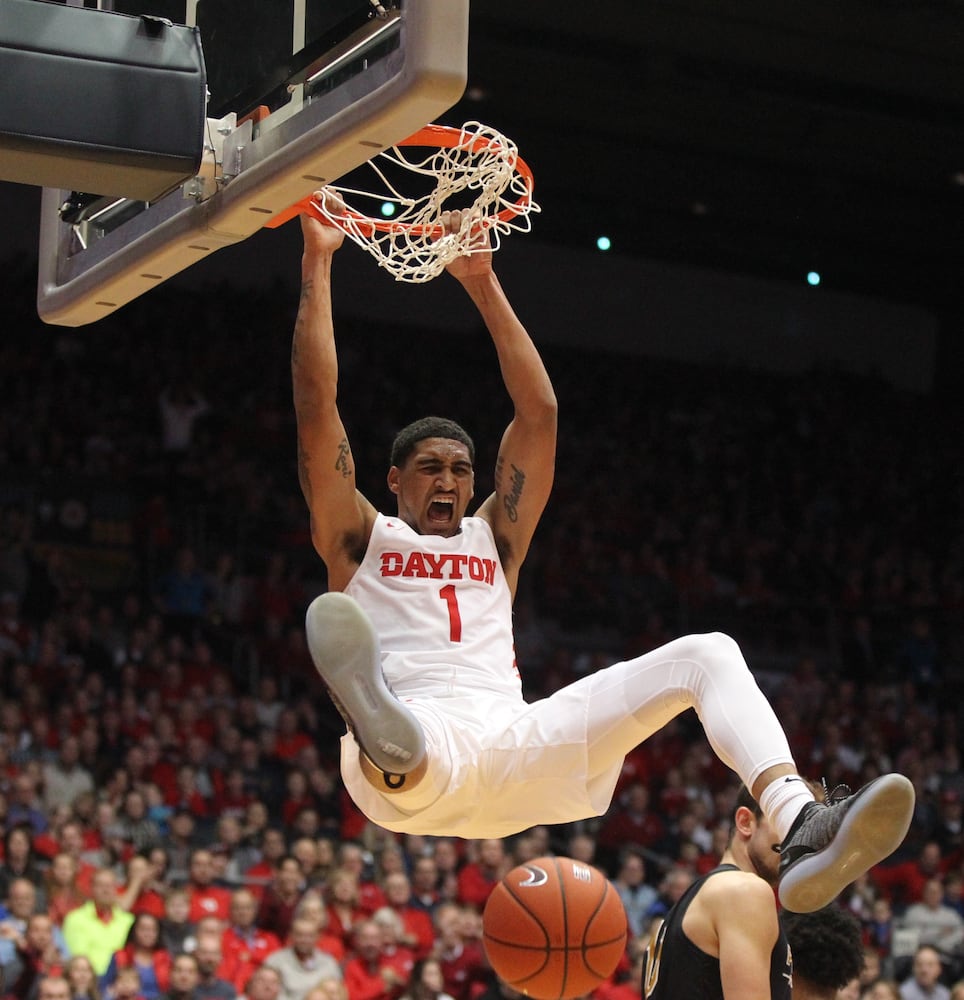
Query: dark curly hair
[[826, 946], [428, 427]]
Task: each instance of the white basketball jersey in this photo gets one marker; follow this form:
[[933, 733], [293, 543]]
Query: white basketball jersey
[[441, 608]]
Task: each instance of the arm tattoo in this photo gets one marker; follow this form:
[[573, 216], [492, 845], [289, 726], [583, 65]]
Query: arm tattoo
[[343, 462], [514, 494]]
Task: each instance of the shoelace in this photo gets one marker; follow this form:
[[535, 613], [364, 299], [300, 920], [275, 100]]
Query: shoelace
[[837, 794]]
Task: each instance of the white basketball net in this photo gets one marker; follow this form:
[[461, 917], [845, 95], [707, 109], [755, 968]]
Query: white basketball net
[[409, 243]]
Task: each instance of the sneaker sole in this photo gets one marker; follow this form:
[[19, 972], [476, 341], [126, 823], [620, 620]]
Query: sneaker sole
[[873, 828], [344, 648]]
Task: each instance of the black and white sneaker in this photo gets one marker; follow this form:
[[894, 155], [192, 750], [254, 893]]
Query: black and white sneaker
[[830, 845], [344, 648]]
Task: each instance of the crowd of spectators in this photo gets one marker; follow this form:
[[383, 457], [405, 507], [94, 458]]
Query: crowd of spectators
[[168, 763]]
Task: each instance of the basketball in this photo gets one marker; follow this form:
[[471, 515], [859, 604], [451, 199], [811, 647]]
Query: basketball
[[554, 928]]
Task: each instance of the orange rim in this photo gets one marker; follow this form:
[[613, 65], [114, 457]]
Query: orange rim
[[445, 137]]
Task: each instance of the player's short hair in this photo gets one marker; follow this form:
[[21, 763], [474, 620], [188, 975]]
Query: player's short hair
[[826, 945], [745, 799], [428, 427]]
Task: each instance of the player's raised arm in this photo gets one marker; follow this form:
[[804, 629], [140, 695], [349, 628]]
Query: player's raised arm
[[526, 462], [341, 518]]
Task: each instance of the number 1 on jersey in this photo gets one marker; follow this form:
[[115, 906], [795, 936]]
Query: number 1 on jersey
[[447, 593]]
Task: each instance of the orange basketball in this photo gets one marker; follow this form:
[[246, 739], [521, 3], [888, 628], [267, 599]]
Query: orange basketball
[[554, 928]]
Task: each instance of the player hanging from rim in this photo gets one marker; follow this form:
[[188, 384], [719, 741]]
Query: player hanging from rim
[[414, 640]]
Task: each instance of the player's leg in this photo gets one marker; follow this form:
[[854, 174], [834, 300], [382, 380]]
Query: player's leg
[[344, 648], [825, 847], [630, 701]]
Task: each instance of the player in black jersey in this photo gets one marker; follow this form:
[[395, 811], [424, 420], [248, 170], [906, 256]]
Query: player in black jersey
[[723, 939]]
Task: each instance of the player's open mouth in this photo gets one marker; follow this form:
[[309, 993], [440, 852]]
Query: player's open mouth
[[441, 511]]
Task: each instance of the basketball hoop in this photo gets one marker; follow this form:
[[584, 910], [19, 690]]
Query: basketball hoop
[[473, 168]]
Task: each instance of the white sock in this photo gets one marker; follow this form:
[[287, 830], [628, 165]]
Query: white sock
[[782, 801]]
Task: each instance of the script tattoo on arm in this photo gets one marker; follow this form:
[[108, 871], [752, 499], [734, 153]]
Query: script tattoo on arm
[[512, 495], [343, 462]]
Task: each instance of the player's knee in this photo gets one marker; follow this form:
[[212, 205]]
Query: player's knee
[[717, 651], [724, 645]]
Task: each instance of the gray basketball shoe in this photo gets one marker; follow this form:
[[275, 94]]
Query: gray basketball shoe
[[344, 648], [830, 845]]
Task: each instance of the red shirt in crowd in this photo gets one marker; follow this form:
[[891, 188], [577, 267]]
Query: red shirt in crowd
[[418, 925], [463, 970], [242, 953], [475, 885], [209, 901]]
